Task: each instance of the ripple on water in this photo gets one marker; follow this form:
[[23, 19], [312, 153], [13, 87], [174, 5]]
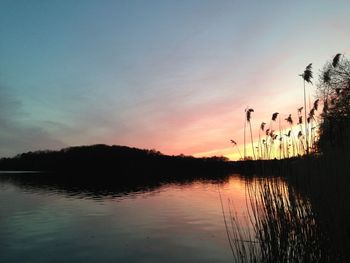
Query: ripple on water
[[173, 222]]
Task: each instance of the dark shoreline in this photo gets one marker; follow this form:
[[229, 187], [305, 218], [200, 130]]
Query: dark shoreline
[[120, 165]]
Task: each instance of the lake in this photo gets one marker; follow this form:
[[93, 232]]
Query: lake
[[170, 222], [47, 219]]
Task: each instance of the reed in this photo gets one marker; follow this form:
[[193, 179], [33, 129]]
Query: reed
[[248, 118], [318, 132], [235, 146], [261, 149], [303, 215], [307, 76], [281, 225], [290, 134]]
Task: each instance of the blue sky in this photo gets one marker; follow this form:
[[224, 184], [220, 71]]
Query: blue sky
[[170, 75]]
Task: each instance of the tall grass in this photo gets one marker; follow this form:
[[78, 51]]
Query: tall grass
[[281, 226], [248, 112], [236, 146], [261, 153], [307, 76], [305, 216]]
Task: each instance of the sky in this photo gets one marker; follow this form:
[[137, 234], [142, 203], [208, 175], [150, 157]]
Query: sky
[[174, 76]]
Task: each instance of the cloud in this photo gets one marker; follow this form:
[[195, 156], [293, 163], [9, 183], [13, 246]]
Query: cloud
[[16, 136]]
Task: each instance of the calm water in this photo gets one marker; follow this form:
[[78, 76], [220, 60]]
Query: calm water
[[171, 222]]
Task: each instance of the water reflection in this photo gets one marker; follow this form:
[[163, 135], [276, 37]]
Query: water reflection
[[267, 220], [281, 226], [178, 221], [96, 188]]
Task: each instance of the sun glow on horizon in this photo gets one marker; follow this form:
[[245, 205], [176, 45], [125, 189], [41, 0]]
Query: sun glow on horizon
[[172, 76]]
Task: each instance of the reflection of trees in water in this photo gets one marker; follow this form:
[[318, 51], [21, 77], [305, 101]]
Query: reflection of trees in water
[[281, 226], [101, 186]]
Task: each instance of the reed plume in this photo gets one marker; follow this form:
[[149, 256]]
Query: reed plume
[[262, 128], [307, 76], [336, 59], [289, 120], [274, 116], [235, 145], [248, 116]]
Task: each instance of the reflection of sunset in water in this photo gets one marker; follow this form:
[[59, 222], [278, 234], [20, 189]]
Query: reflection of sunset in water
[[181, 221]]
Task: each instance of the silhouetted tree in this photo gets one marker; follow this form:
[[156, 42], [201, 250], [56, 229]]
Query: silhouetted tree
[[334, 89], [97, 159]]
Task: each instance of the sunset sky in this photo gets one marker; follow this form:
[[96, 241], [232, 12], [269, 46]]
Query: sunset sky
[[175, 76]]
